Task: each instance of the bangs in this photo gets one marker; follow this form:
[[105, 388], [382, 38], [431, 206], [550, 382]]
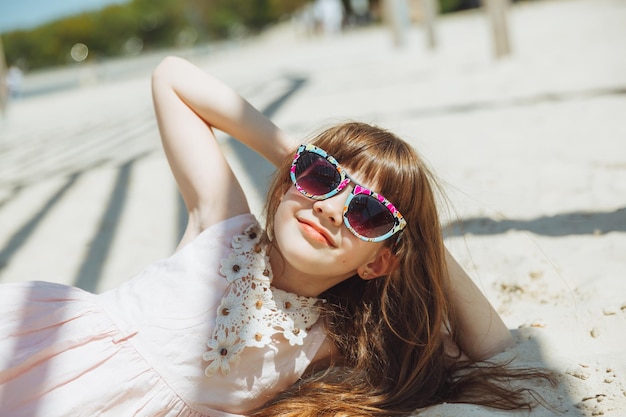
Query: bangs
[[379, 158]]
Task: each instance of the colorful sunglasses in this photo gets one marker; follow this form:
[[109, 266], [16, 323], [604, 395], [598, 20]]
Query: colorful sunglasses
[[367, 214]]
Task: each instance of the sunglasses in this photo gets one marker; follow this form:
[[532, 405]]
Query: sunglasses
[[367, 214]]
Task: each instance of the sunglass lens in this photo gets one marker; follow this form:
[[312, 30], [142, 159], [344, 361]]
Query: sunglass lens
[[368, 216], [316, 175]]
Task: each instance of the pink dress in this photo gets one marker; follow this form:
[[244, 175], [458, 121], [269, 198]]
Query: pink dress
[[166, 343]]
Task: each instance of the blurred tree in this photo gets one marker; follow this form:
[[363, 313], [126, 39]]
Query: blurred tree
[[140, 25], [3, 85], [158, 22], [447, 6]]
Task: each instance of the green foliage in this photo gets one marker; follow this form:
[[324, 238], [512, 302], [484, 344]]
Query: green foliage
[[142, 25], [447, 6]]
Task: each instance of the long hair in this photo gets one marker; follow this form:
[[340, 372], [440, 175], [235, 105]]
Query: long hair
[[390, 330]]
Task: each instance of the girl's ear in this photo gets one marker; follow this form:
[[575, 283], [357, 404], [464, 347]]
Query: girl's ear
[[383, 264]]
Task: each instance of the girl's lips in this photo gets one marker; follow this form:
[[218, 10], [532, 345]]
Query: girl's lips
[[316, 232]]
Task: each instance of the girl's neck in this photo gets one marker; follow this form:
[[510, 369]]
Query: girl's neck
[[289, 279]]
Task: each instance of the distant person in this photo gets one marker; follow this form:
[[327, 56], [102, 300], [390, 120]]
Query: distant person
[[329, 14], [4, 93], [305, 21], [14, 79], [346, 303], [360, 12]]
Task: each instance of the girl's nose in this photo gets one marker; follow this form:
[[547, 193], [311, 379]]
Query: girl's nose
[[331, 208]]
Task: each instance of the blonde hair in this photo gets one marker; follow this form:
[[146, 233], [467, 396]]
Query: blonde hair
[[390, 330]]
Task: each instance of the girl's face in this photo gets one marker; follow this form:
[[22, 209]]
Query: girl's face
[[317, 249]]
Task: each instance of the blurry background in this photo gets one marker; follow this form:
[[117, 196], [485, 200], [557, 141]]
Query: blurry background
[[39, 34]]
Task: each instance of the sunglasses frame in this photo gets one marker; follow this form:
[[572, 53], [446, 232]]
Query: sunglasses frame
[[399, 222]]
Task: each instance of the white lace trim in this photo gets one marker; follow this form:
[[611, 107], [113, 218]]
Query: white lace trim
[[252, 311]]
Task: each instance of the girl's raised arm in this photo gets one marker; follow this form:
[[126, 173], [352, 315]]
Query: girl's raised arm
[[189, 103], [481, 332]]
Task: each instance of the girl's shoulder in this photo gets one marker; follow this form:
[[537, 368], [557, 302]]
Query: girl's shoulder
[[233, 225], [223, 230]]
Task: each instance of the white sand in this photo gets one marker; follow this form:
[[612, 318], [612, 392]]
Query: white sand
[[531, 149]]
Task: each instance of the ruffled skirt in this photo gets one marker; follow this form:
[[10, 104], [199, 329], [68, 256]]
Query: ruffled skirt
[[61, 355]]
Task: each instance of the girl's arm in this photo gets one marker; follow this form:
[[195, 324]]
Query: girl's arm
[[189, 103], [481, 331]]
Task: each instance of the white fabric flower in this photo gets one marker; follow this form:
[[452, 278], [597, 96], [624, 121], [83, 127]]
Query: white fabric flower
[[233, 267], [303, 309], [248, 240], [260, 298], [229, 311], [287, 301], [295, 334], [222, 351], [256, 333]]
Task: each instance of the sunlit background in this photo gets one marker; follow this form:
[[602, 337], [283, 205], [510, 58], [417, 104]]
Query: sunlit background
[[39, 33]]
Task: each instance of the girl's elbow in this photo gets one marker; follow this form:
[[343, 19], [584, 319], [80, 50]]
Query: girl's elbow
[[166, 70], [502, 342]]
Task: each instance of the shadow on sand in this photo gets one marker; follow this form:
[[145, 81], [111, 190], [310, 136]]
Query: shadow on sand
[[574, 223]]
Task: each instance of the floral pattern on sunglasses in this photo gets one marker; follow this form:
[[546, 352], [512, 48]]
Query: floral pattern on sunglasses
[[367, 214]]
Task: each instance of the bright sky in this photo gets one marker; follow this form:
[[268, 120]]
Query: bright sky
[[24, 14]]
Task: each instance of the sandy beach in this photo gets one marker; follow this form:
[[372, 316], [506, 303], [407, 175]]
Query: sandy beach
[[530, 150]]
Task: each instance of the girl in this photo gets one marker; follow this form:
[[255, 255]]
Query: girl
[[345, 304]]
